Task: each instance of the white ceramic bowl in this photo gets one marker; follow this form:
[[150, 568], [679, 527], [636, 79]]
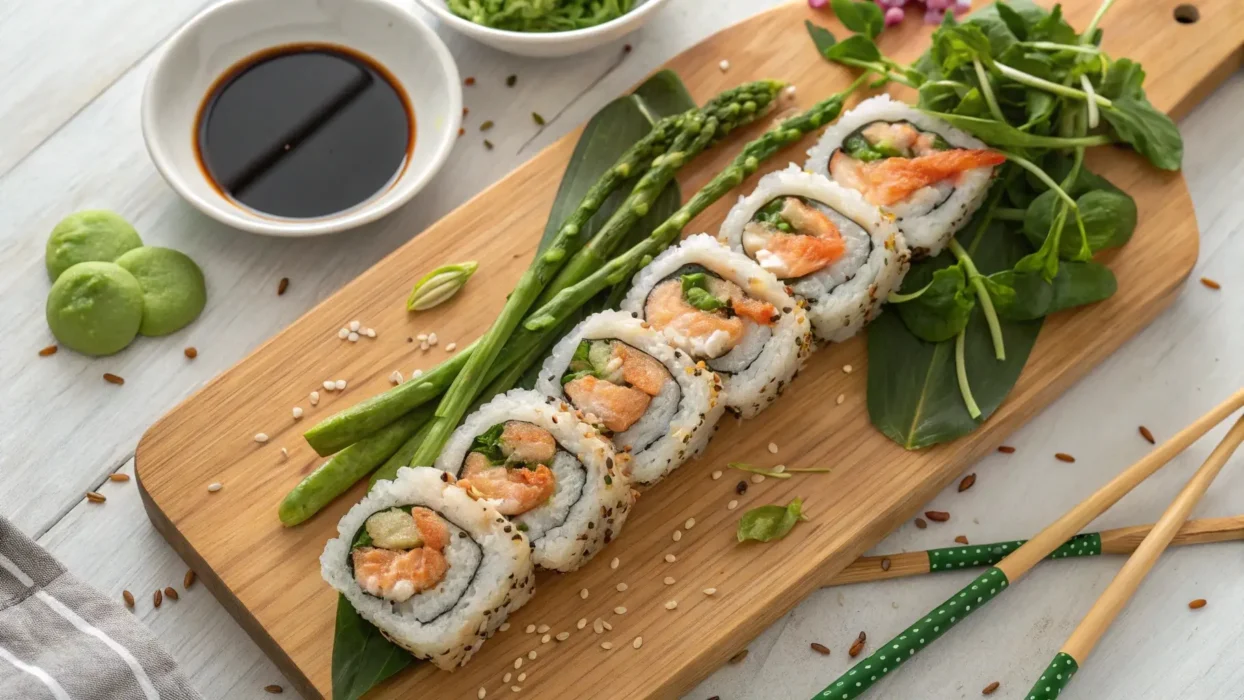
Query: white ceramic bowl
[[548, 44], [222, 36]]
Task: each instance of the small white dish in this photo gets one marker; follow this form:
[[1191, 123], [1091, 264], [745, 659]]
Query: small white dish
[[224, 35], [547, 44]]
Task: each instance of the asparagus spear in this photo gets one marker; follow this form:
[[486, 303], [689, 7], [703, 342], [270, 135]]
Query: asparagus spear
[[625, 265]]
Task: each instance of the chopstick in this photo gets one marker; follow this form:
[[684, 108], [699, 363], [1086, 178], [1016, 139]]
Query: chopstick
[[1122, 540], [1099, 618], [857, 680]]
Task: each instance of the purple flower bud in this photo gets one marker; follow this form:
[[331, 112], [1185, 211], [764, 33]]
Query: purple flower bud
[[817, 4], [893, 16]]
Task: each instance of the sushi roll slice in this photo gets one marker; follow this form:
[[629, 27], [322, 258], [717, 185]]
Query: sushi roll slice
[[434, 569], [728, 313], [837, 252], [931, 176], [556, 477], [650, 399]]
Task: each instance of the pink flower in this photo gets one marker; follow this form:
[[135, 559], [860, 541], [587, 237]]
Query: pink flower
[[893, 16], [817, 4]]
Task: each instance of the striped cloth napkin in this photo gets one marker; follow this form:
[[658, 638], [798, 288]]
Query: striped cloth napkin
[[60, 639]]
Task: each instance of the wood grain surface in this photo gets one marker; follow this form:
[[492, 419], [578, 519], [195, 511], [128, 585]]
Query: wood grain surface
[[268, 577]]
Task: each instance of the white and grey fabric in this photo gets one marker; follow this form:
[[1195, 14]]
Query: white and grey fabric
[[60, 639]]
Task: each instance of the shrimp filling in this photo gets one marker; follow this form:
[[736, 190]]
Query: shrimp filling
[[627, 391], [415, 559], [792, 238], [908, 171], [710, 318]]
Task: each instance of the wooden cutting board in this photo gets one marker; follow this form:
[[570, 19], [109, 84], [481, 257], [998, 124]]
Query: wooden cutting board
[[268, 576]]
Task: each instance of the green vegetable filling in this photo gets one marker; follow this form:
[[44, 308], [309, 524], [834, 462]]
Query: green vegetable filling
[[488, 443], [771, 214], [695, 292]]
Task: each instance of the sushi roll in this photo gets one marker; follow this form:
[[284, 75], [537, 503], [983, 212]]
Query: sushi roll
[[728, 313], [837, 252], [650, 399], [553, 475], [434, 569], [931, 176]]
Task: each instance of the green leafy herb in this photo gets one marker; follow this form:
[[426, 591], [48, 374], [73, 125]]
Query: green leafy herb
[[695, 291], [488, 443], [942, 307], [768, 523], [863, 17], [362, 657], [1109, 218]]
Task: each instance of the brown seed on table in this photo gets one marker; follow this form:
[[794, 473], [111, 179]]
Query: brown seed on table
[[1006, 449], [511, 81], [95, 497], [628, 49], [989, 689], [171, 593], [118, 477], [1210, 283], [488, 144], [113, 379], [1064, 457], [188, 580], [461, 132], [820, 648], [738, 658], [537, 118], [968, 482], [486, 125], [157, 598], [920, 524], [469, 81], [858, 645], [49, 350], [1197, 604], [885, 564], [937, 516], [1144, 433], [191, 352], [274, 689], [128, 598], [961, 539], [282, 286], [740, 488]]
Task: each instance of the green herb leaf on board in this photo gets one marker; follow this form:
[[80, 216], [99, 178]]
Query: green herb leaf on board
[[768, 523], [362, 657], [861, 17], [1109, 220], [944, 307], [821, 37]]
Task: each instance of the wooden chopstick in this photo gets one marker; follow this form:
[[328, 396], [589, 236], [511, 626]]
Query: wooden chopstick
[[1122, 540], [857, 680], [1099, 618]]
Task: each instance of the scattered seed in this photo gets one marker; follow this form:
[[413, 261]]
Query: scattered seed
[[937, 516], [542, 629], [621, 587], [921, 524], [606, 645], [113, 379], [515, 689], [790, 92], [608, 627], [1144, 432], [757, 478], [297, 412], [95, 497], [598, 626], [530, 629], [261, 437], [1006, 449], [740, 488], [989, 689], [820, 648], [716, 475], [354, 326], [521, 677], [627, 48], [773, 448], [961, 539], [1197, 604], [779, 468], [968, 482], [488, 144], [562, 636], [846, 369], [1210, 283], [689, 524], [738, 658], [724, 65], [732, 505], [274, 689], [353, 337], [451, 347], [157, 598], [709, 591], [191, 352], [486, 125], [188, 580], [171, 593], [1064, 457], [461, 131], [118, 477], [619, 610], [670, 558], [469, 81], [539, 120], [370, 332], [583, 594], [581, 623], [483, 692], [840, 399], [518, 663], [343, 333], [314, 398], [671, 604], [214, 487], [532, 654], [546, 639], [340, 385], [885, 564], [677, 535], [858, 645], [49, 350], [128, 598], [506, 678], [511, 81], [615, 563]]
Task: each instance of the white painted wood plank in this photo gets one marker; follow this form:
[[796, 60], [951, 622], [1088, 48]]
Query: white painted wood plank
[[58, 55]]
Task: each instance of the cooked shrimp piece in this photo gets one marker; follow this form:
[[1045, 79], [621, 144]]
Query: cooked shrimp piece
[[789, 255], [527, 443], [618, 407], [899, 136], [641, 370], [761, 312], [667, 310], [889, 181], [397, 576], [809, 220], [432, 528], [517, 490]]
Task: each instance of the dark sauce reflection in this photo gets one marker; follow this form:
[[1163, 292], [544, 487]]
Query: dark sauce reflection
[[304, 131]]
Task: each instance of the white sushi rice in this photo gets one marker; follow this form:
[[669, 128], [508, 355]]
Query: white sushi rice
[[593, 494], [849, 293], [931, 215], [679, 421], [490, 570], [756, 371]]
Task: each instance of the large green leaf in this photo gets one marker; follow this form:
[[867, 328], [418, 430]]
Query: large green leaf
[[362, 657]]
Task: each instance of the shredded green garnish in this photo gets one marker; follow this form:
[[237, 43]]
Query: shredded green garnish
[[695, 291], [539, 15]]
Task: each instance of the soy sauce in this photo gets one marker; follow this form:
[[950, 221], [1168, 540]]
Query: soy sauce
[[304, 131]]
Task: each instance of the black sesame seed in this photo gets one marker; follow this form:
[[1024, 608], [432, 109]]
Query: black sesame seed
[[740, 488]]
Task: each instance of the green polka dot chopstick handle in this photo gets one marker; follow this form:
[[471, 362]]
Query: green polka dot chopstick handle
[[1051, 683], [950, 558], [893, 653]]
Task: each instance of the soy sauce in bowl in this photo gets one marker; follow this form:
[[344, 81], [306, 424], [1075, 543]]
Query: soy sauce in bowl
[[304, 131]]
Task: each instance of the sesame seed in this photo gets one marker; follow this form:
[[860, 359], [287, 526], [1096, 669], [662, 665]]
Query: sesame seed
[[670, 605], [329, 385], [531, 628], [562, 636], [451, 347], [542, 629], [284, 454], [608, 627], [214, 487], [521, 677], [355, 325], [790, 91], [315, 398], [732, 505], [671, 558], [581, 623], [261, 437], [396, 377], [505, 626], [615, 563], [518, 663], [606, 645], [506, 678], [639, 642], [716, 475], [421, 337], [773, 448], [710, 591], [724, 65], [343, 333], [583, 594], [677, 535], [532, 654], [757, 478], [415, 374], [370, 333], [340, 384], [297, 412], [840, 399], [621, 587], [779, 469], [545, 639], [846, 369], [353, 337], [689, 524], [515, 689], [598, 626], [432, 339], [669, 580], [482, 692], [424, 346]]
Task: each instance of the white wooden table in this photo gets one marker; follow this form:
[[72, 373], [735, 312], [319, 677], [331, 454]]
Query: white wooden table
[[73, 72]]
